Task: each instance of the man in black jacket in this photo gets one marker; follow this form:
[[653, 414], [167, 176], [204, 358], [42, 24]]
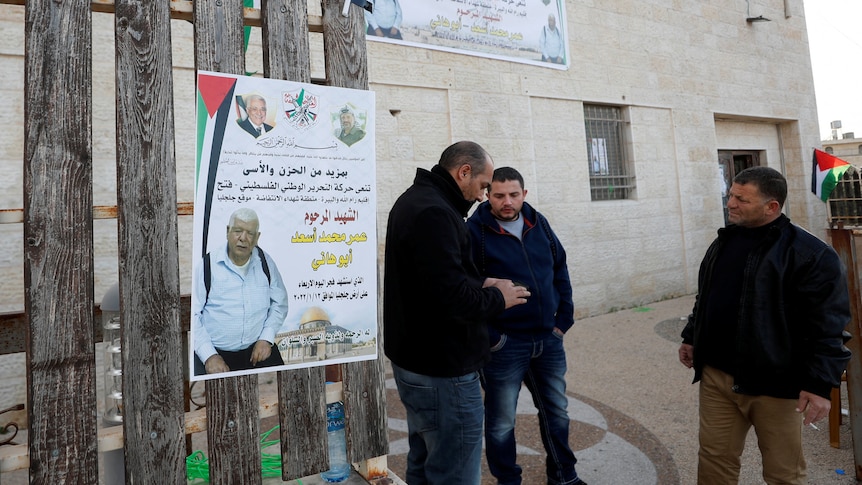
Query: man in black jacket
[[435, 308], [765, 334]]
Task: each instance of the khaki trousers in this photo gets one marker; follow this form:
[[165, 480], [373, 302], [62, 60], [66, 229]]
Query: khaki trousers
[[725, 418]]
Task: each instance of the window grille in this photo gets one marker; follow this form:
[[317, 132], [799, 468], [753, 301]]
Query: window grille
[[609, 177], [844, 206]]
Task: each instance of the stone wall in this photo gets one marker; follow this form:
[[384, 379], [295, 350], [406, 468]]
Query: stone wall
[[679, 69]]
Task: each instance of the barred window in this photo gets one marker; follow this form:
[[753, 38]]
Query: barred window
[[609, 172]]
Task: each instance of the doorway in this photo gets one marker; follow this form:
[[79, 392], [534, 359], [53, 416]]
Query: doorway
[[730, 163]]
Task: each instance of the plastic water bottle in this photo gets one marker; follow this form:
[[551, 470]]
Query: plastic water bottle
[[339, 468]]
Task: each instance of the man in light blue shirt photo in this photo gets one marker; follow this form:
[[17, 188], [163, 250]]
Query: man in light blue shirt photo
[[551, 42], [385, 19], [238, 302]]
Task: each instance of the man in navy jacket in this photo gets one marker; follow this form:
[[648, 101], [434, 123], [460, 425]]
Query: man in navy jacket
[[512, 240]]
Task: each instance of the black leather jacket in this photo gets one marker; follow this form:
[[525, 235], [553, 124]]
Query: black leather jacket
[[435, 309], [792, 315]]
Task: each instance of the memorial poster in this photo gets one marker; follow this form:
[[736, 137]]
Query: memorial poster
[[288, 168]]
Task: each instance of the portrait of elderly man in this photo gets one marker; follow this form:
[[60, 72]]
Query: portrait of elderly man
[[239, 302], [551, 42], [255, 123], [385, 19]]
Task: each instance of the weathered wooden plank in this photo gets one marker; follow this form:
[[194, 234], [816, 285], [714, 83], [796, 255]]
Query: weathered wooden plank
[[302, 418], [233, 430], [183, 10], [286, 50], [344, 44], [219, 36], [58, 241], [13, 216], [153, 404], [13, 327], [302, 413], [364, 387], [365, 409], [233, 426]]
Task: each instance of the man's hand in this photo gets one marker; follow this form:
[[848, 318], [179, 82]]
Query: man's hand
[[262, 350], [815, 407], [216, 364], [513, 295], [686, 355]]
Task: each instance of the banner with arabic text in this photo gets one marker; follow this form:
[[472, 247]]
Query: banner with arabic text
[[526, 31]]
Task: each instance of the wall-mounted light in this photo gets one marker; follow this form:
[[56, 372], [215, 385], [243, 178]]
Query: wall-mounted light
[[749, 18]]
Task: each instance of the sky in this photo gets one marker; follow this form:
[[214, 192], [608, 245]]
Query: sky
[[835, 39]]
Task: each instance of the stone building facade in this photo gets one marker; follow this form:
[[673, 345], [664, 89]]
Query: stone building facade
[[848, 148], [694, 89]]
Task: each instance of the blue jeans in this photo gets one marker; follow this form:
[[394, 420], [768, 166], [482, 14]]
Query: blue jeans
[[541, 364], [444, 427]]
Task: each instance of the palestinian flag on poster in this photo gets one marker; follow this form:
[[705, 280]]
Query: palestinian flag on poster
[[827, 171], [214, 96]]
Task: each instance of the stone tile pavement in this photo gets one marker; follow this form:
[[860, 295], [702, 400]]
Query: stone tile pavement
[[633, 411]]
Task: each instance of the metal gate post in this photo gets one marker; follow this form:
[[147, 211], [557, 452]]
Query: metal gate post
[[842, 241]]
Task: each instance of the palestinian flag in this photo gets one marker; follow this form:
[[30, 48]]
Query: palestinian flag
[[827, 171], [214, 95]]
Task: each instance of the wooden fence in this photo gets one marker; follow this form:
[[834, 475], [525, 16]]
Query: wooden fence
[[57, 329]]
